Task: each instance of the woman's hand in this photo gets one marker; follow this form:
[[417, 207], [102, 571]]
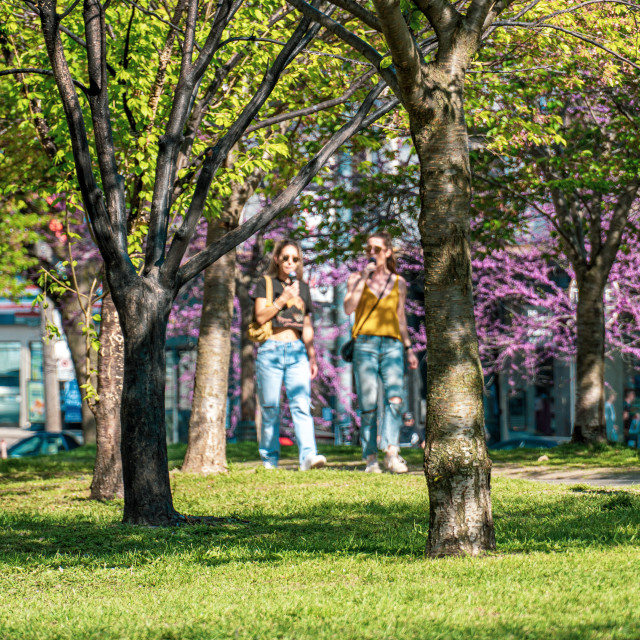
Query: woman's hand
[[369, 268], [290, 292], [313, 366], [412, 359]]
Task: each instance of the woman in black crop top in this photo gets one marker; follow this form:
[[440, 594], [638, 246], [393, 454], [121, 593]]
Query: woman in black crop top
[[288, 357]]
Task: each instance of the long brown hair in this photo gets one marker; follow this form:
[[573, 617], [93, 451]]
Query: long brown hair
[[277, 250], [388, 243]]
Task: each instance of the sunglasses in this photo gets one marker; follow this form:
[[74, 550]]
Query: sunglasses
[[295, 259], [370, 249]]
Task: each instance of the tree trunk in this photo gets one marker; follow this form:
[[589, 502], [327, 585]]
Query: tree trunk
[[70, 313], [457, 465], [107, 474], [144, 306], [207, 426], [247, 366], [53, 416], [590, 424]]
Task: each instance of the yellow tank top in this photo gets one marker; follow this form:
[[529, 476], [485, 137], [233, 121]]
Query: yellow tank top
[[384, 319]]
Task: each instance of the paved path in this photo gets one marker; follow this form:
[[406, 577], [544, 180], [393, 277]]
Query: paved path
[[601, 477]]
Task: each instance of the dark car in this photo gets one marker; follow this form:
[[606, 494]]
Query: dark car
[[525, 442], [43, 444]]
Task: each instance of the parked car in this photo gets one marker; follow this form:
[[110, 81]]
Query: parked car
[[42, 444], [525, 442]]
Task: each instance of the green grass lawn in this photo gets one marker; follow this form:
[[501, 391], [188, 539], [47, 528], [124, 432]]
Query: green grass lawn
[[327, 554]]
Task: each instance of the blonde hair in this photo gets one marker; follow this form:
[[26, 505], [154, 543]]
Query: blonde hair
[[385, 236], [273, 269]]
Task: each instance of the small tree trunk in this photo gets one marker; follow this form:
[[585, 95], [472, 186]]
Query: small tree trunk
[[457, 465], [70, 313], [247, 362], [207, 426], [53, 417], [107, 474], [144, 306], [590, 423]]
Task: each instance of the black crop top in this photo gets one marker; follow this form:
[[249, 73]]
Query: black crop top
[[292, 316]]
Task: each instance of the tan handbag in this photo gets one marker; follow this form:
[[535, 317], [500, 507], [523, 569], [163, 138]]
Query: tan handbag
[[260, 332]]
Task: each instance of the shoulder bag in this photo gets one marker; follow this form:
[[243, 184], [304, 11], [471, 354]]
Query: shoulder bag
[[346, 351], [260, 332]]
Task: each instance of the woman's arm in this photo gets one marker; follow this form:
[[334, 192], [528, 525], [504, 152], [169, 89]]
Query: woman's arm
[[355, 287], [402, 321], [264, 313], [307, 338]]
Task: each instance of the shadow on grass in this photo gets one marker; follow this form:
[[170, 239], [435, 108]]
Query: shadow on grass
[[563, 522]]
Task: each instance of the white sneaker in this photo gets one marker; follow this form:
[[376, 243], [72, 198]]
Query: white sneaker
[[395, 464], [373, 467], [269, 466], [313, 461]]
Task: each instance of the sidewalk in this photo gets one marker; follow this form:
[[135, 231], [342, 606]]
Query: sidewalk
[[601, 477]]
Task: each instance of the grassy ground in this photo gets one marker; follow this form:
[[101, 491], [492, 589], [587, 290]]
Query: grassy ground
[[328, 554]]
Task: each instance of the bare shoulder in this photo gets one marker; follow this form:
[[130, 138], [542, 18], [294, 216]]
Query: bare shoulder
[[402, 284]]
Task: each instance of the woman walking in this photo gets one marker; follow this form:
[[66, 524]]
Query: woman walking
[[288, 356], [378, 295]]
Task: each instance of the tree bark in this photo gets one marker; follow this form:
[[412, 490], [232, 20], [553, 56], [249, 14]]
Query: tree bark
[[70, 312], [146, 304], [53, 417], [107, 474], [457, 465], [247, 358], [207, 426], [590, 345]]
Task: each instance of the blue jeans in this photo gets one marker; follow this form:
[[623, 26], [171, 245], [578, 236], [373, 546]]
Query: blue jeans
[[286, 362], [379, 358]]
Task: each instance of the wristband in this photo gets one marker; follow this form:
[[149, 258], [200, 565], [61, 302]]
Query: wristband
[[407, 348], [279, 308]]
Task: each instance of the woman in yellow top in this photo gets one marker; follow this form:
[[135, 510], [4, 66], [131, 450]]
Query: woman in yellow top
[[378, 295]]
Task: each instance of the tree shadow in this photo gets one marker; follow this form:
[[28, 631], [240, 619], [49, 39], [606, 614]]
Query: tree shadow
[[327, 528]]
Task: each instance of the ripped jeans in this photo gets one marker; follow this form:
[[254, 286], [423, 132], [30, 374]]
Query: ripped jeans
[[288, 363], [374, 358]]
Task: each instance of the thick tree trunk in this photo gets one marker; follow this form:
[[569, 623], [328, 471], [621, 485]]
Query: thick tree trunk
[[107, 474], [207, 427], [590, 423], [144, 306], [457, 465]]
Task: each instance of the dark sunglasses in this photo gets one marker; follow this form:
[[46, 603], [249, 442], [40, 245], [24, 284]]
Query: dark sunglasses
[[295, 259], [375, 250]]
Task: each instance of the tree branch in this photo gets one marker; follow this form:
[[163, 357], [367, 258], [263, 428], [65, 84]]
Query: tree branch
[[357, 11], [112, 181], [42, 72], [283, 200], [303, 34], [362, 47], [575, 34], [321, 106], [618, 223], [442, 16], [405, 53], [112, 247]]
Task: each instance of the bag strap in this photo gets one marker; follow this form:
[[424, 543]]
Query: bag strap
[[374, 306]]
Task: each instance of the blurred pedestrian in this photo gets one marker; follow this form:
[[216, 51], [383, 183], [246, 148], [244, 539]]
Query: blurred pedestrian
[[378, 294], [288, 356], [610, 418]]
